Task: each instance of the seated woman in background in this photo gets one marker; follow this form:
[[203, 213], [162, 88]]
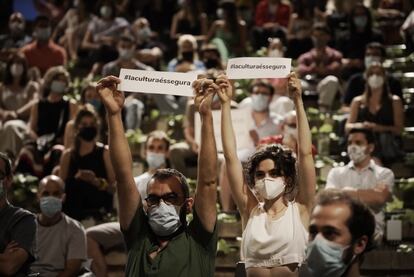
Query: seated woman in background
[[228, 32], [276, 203], [87, 171], [189, 19], [48, 117], [90, 97], [380, 111], [17, 95]]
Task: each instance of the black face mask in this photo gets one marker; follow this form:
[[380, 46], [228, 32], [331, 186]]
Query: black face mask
[[188, 56], [88, 133], [211, 63]]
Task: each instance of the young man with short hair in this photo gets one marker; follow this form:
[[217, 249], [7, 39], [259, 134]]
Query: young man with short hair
[[362, 178], [340, 232]]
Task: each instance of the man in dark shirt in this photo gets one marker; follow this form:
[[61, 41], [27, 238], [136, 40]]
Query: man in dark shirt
[[374, 52], [17, 229], [158, 239]]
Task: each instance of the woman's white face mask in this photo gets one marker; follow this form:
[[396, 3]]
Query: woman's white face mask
[[270, 188]]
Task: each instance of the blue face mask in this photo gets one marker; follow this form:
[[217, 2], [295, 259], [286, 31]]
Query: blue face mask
[[260, 102], [164, 219], [155, 160], [50, 205], [325, 258]]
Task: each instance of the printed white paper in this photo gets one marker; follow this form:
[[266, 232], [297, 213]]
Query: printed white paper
[[252, 68]]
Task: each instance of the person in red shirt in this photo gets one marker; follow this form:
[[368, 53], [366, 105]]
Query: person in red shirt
[[43, 53], [271, 20]]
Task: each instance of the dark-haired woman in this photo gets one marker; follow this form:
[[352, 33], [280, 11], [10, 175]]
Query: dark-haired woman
[[275, 198], [87, 171], [228, 32], [17, 95], [380, 111], [48, 117]]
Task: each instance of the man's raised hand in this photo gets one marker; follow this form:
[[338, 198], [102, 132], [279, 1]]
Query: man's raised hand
[[204, 92], [112, 98], [225, 91]]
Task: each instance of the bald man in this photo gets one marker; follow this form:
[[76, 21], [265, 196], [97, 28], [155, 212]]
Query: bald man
[[61, 240]]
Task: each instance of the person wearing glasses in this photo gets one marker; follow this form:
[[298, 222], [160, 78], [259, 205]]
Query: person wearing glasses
[[158, 239]]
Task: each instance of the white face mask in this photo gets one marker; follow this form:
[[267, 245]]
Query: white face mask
[[126, 54], [325, 258], [368, 60], [270, 188], [276, 53], [220, 13], [16, 70], [144, 34], [16, 27], [155, 160], [43, 34], [375, 81], [260, 102], [106, 11], [58, 86], [164, 219], [357, 153]]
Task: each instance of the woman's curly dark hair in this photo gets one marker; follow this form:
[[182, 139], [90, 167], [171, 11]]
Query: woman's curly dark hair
[[284, 161]]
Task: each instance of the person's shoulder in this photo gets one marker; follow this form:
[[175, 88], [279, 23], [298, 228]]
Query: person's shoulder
[[358, 99], [340, 170], [17, 214], [72, 224], [28, 47]]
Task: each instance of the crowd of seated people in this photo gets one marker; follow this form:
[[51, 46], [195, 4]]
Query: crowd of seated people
[[66, 128]]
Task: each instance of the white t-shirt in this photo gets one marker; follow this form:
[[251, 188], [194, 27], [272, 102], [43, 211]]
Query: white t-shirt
[[66, 240]]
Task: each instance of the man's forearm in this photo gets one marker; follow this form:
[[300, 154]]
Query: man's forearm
[[119, 149], [207, 169]]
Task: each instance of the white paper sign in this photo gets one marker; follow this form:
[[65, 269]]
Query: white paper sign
[[252, 68], [242, 124], [158, 82]]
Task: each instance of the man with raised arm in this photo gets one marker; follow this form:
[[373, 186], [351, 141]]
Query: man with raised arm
[[159, 241]]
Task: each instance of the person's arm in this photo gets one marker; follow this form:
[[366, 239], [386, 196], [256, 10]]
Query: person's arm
[[64, 164], [233, 164], [353, 115], [173, 29], [12, 259], [375, 197], [68, 136], [72, 268], [206, 191], [110, 175], [87, 42], [33, 120], [212, 31], [306, 65], [120, 154], [334, 67], [306, 165]]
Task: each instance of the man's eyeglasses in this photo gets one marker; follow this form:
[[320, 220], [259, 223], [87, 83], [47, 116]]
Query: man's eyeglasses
[[169, 198]]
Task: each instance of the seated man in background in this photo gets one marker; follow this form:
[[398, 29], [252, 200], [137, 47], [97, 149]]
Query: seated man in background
[[108, 236], [362, 178], [61, 240], [323, 64], [157, 236], [43, 53], [340, 232], [17, 229]]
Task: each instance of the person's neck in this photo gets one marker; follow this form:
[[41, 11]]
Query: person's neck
[[16, 81], [275, 206], [86, 147], [42, 42], [363, 164], [49, 221], [54, 97], [376, 94], [353, 270], [258, 117]]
